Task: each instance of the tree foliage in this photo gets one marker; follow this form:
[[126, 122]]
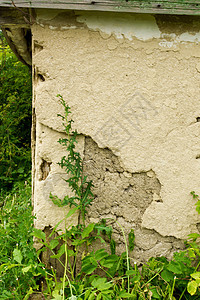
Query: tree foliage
[[15, 118]]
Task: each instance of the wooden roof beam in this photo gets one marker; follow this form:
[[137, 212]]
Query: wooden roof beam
[[178, 7]]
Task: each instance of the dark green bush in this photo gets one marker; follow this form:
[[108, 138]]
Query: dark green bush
[[15, 119]]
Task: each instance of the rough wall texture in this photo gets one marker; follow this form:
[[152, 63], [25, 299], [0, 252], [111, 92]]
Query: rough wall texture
[[132, 82]]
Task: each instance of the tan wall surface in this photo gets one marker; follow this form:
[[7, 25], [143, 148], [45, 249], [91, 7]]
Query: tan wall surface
[[133, 85]]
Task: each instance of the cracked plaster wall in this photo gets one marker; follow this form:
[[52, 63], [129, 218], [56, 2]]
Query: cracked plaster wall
[[132, 82]]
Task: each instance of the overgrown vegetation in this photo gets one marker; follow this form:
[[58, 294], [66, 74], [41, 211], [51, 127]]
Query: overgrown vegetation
[[15, 118], [88, 272], [103, 274]]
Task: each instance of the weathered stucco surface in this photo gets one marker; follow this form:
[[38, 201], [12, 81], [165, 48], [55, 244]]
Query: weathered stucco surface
[[132, 82]]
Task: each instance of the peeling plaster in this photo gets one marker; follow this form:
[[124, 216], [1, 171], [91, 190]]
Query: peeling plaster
[[125, 197], [143, 27]]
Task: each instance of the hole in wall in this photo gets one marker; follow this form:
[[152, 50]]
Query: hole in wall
[[198, 156], [159, 6], [34, 74], [198, 119], [40, 77], [129, 188], [37, 47], [45, 169]]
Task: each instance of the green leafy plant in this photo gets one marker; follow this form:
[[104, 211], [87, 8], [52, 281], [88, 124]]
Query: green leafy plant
[[73, 166]]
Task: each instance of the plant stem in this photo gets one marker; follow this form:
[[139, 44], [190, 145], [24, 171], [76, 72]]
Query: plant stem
[[127, 254], [182, 294], [173, 286], [65, 275]]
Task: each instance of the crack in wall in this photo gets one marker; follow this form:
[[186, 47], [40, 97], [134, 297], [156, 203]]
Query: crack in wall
[[33, 145]]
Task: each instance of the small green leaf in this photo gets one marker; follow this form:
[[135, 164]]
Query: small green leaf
[[109, 261], [136, 278], [71, 252], [101, 284], [88, 269], [155, 293], [53, 244], [192, 287], [87, 230], [174, 267], [61, 251], [100, 254], [191, 253], [17, 255], [112, 246], [130, 272], [56, 200], [38, 233], [167, 275], [56, 295], [26, 269], [124, 294], [194, 236], [101, 239], [72, 211], [195, 275]]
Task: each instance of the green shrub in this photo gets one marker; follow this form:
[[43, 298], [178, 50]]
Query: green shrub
[[15, 119]]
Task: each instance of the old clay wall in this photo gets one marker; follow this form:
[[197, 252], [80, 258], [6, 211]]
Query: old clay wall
[[132, 82]]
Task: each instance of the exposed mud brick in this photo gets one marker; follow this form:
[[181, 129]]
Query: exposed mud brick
[[123, 197]]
